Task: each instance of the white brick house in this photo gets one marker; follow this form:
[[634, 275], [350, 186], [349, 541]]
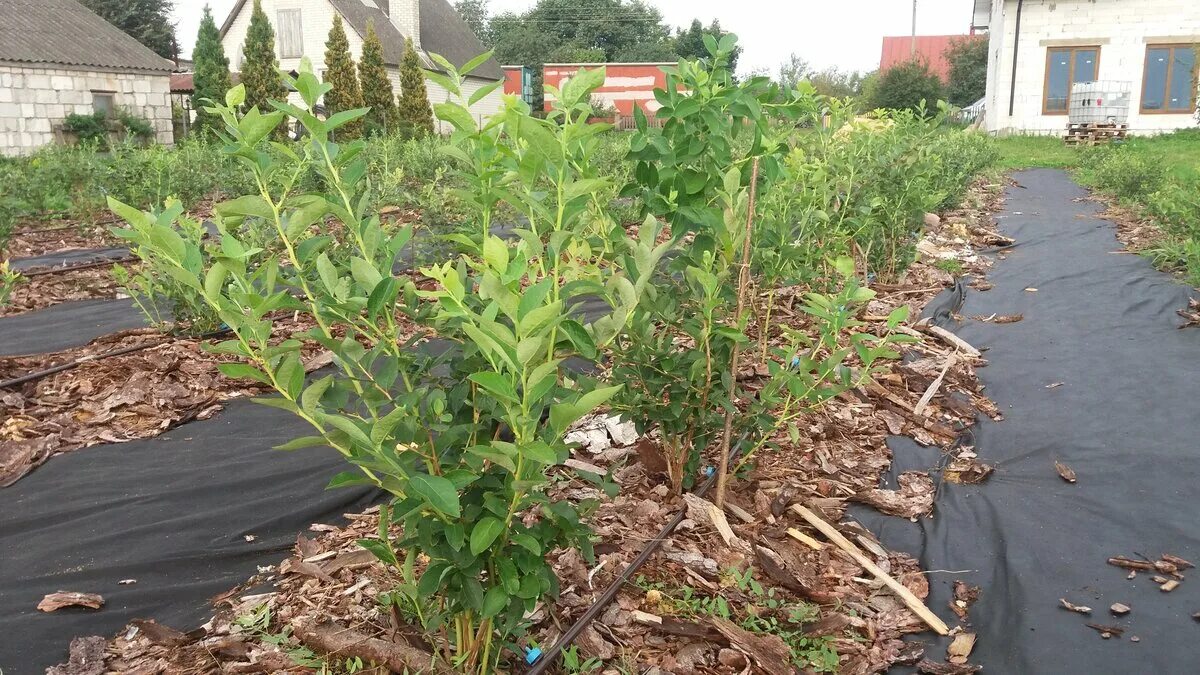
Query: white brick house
[[57, 58], [302, 27], [1153, 45]]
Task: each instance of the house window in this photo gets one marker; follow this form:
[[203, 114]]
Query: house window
[[1169, 81], [1066, 66], [291, 38], [102, 102]]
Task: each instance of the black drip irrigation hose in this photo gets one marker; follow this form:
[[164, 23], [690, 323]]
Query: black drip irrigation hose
[[549, 658], [72, 268], [70, 365]]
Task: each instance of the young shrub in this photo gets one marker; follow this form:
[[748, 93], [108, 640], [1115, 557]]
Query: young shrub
[[9, 280], [376, 87], [342, 77], [905, 86], [454, 399], [211, 80], [260, 69], [415, 117], [968, 57], [1127, 175]]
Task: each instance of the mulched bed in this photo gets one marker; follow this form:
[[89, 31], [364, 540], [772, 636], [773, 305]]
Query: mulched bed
[[324, 595], [54, 237], [115, 399], [46, 290]]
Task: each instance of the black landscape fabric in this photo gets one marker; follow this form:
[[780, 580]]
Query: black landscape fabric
[[70, 258], [1126, 419], [171, 512], [66, 325]]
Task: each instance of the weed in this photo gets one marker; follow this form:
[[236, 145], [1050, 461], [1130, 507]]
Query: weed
[[951, 265], [9, 280]]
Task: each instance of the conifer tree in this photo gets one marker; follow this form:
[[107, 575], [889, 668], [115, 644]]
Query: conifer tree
[[341, 74], [211, 79], [260, 68], [376, 87], [416, 117]]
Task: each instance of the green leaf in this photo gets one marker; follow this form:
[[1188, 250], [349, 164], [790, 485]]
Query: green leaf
[[482, 92], [475, 63], [236, 96], [438, 492], [563, 415], [313, 393], [484, 533], [240, 371], [381, 550], [494, 601], [540, 453], [214, 281], [345, 117], [494, 456], [495, 252], [347, 479], [496, 384], [579, 337], [455, 114], [581, 85], [431, 580], [302, 442], [247, 205]]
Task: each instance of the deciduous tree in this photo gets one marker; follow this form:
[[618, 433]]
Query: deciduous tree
[[211, 79], [968, 58], [376, 88], [147, 21], [905, 85], [475, 14], [342, 76]]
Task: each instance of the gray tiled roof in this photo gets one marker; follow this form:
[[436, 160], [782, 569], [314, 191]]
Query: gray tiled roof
[[442, 32], [65, 32]]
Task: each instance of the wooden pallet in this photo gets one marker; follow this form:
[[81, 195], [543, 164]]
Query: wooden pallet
[[1095, 133]]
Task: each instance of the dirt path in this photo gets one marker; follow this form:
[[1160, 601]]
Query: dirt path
[[1097, 376]]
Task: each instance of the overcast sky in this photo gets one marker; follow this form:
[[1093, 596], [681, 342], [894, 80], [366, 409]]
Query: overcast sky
[[843, 33]]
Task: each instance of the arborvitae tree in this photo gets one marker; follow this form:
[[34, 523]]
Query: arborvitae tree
[[147, 21], [376, 88], [260, 68], [341, 74], [416, 117], [211, 79]]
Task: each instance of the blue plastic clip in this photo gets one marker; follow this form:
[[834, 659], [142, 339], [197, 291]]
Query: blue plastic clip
[[709, 471], [532, 655]]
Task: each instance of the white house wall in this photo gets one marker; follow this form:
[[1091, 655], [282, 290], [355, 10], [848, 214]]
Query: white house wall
[[316, 17], [33, 100], [1121, 28]]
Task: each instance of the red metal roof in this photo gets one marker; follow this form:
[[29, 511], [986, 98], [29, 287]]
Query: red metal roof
[[930, 48]]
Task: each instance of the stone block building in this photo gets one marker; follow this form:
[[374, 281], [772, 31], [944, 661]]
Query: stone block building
[[58, 58]]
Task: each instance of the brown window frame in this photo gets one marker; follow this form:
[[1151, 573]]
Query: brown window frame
[[1070, 74], [1191, 110]]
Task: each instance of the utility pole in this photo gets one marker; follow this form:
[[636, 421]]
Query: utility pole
[[912, 50]]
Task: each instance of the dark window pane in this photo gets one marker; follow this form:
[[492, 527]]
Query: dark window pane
[[1183, 85], [1058, 86], [1155, 84], [1085, 65]]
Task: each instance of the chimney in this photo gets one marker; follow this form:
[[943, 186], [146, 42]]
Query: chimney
[[406, 14]]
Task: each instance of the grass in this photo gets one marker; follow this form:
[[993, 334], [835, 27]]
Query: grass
[[1180, 151], [1158, 177]]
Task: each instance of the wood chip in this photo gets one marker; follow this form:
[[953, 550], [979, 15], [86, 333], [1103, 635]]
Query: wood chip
[[1106, 631], [1175, 560], [1169, 586], [1119, 609], [805, 539], [960, 648], [56, 601], [1065, 472], [1073, 607]]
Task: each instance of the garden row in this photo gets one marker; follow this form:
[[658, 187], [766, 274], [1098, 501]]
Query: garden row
[[726, 323]]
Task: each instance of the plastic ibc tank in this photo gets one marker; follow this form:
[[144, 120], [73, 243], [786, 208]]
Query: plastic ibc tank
[[1100, 102]]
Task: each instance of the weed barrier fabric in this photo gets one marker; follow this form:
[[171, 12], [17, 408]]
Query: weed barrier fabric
[[70, 258], [1126, 418], [171, 512], [66, 325]]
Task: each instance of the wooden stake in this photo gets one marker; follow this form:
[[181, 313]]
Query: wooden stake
[[913, 602], [743, 284]]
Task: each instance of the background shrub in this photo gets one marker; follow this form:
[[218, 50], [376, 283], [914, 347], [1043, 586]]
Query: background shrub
[[904, 86], [1127, 175]]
